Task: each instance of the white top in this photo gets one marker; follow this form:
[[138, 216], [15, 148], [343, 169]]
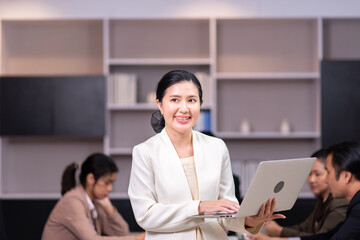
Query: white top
[[93, 212], [190, 173]]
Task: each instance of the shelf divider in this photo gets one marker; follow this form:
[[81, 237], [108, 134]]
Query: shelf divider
[[159, 61], [268, 135], [269, 75]]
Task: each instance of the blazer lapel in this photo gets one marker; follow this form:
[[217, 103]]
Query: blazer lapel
[[82, 193], [199, 161], [97, 225], [173, 167]]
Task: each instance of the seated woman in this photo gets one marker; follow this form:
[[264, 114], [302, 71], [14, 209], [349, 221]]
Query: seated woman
[[328, 211], [85, 211]]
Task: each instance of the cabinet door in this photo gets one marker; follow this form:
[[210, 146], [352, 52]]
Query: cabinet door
[[79, 106], [26, 106], [340, 101]]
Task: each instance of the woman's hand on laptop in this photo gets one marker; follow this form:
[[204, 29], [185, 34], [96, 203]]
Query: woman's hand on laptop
[[222, 205], [266, 213]]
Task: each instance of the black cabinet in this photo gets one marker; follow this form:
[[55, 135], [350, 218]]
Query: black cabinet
[[79, 106], [340, 101], [61, 106], [26, 106]]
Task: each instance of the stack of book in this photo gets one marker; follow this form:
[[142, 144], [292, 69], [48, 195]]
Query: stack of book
[[122, 88], [247, 172], [203, 123]]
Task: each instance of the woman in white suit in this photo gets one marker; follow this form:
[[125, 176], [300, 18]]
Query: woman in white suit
[[180, 172]]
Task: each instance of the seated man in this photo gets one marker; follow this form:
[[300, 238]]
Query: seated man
[[343, 166], [327, 213]]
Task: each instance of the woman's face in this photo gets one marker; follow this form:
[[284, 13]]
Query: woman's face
[[180, 107], [318, 179], [103, 186]]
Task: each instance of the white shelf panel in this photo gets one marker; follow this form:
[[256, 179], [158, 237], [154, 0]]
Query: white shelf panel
[[120, 151], [159, 61], [135, 107], [55, 196], [142, 106], [285, 75], [118, 195], [49, 49], [30, 196], [206, 107], [268, 135]]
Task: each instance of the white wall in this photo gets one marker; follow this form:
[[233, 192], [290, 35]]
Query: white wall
[[30, 9]]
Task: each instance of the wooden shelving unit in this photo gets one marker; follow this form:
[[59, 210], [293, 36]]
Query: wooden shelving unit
[[31, 167], [341, 38], [261, 69], [149, 49], [55, 47]]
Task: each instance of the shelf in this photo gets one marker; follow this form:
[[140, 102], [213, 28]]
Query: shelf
[[129, 128], [159, 38], [149, 75], [49, 196], [264, 104], [120, 151], [341, 39], [142, 107], [53, 47], [30, 196], [268, 135], [134, 107], [206, 107], [267, 45], [270, 75], [118, 195], [52, 154], [160, 61]]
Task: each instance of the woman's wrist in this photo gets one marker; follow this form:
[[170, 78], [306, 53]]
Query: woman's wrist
[[110, 210], [250, 224], [249, 228]]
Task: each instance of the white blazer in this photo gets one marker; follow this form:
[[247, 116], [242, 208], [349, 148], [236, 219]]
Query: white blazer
[[160, 195]]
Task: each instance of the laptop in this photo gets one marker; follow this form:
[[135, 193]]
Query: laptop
[[279, 179]]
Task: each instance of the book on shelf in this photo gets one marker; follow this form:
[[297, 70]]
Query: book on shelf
[[203, 123], [204, 79], [122, 88], [247, 172]]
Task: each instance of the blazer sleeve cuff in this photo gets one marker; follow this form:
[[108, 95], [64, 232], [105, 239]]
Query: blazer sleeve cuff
[[195, 209]]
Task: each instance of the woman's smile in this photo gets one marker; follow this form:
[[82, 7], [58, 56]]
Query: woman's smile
[[183, 119]]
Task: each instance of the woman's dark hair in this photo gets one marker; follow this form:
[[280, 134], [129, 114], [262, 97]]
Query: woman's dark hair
[[346, 157], [169, 79], [321, 155], [98, 164]]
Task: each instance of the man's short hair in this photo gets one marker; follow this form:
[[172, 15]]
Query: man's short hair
[[346, 157]]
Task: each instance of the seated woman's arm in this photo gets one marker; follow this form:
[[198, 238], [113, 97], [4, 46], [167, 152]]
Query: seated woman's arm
[[75, 219]]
